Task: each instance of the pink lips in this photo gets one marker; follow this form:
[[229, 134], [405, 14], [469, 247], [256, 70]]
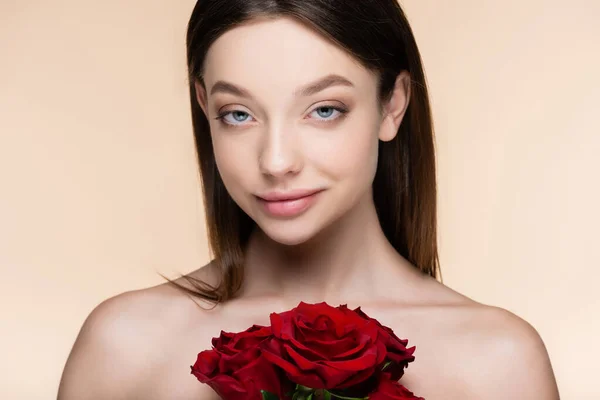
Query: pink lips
[[288, 204]]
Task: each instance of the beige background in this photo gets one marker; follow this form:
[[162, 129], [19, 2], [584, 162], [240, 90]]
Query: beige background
[[99, 188]]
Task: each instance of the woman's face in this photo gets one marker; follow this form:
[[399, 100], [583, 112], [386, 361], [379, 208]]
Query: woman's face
[[295, 125]]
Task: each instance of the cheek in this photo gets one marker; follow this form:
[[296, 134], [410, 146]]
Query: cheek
[[351, 155], [234, 164]]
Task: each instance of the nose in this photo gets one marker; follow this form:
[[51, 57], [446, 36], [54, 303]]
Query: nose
[[280, 154]]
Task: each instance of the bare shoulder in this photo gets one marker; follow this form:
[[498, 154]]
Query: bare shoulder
[[503, 355], [472, 350], [116, 346]]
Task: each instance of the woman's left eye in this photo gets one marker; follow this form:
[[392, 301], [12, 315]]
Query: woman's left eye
[[325, 112]]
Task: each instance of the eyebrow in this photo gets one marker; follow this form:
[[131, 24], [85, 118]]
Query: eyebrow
[[306, 90]]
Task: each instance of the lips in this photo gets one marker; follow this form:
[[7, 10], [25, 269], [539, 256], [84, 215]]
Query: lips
[[288, 204], [291, 195]]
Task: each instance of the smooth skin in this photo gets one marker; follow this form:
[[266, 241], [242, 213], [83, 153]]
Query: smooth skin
[[282, 119]]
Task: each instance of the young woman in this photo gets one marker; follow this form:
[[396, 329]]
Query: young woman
[[316, 150]]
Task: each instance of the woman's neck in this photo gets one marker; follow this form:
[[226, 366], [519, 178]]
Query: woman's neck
[[349, 259]]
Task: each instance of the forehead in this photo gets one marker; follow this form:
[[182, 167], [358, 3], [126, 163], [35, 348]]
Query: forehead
[[279, 53]]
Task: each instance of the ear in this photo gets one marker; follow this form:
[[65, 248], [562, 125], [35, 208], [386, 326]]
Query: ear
[[201, 96], [395, 108]]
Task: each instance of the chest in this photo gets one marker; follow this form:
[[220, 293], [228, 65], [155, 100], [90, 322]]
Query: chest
[[176, 388], [432, 377], [435, 374]]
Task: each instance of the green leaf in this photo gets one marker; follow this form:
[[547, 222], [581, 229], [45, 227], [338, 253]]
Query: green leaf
[[268, 396], [386, 365], [304, 389], [301, 395]]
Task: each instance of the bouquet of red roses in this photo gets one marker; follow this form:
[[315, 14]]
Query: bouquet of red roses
[[314, 351]]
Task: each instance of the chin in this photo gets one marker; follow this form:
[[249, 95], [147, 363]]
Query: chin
[[289, 233]]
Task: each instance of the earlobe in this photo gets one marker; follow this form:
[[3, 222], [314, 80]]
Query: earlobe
[[396, 107]]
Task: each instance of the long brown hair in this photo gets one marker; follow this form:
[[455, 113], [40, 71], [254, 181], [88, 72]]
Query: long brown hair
[[378, 35]]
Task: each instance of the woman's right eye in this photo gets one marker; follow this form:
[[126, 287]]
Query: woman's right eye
[[233, 118]]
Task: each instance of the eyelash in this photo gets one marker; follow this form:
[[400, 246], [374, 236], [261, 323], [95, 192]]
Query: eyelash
[[342, 111]]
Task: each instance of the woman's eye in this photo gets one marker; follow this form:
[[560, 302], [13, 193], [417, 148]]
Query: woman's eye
[[235, 117], [326, 112]]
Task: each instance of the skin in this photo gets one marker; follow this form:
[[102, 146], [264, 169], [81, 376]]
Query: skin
[[140, 344]]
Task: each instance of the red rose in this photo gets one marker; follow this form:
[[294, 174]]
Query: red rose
[[397, 352], [392, 390], [322, 347], [236, 369]]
